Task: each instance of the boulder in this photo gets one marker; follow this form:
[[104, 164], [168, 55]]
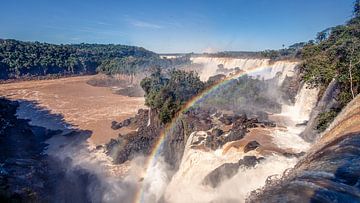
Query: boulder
[[269, 124], [249, 161], [226, 119], [292, 155], [235, 135], [251, 146], [217, 132], [225, 171], [228, 170], [115, 125]]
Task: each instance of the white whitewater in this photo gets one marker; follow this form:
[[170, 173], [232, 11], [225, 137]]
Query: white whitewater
[[295, 117], [186, 184], [196, 164], [306, 100], [268, 69]]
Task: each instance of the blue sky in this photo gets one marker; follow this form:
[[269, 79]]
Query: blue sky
[[172, 26]]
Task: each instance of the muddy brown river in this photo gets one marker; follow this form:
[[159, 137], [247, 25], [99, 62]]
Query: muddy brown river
[[73, 102]]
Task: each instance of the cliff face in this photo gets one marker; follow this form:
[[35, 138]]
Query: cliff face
[[327, 102], [24, 169], [330, 170], [144, 130]]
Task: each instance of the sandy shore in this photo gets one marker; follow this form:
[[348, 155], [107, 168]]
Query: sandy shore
[[75, 102]]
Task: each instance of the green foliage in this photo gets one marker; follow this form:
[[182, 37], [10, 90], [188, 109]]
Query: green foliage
[[344, 98], [167, 93], [127, 65], [292, 52], [131, 65], [324, 119], [335, 56], [357, 8], [323, 35], [26, 59], [316, 67]]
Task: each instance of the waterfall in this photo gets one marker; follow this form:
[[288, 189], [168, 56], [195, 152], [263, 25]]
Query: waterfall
[[186, 184], [210, 66], [329, 172], [162, 184], [305, 101], [149, 119]]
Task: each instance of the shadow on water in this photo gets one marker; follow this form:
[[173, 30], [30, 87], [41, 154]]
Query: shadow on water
[[40, 116], [47, 149], [68, 183]]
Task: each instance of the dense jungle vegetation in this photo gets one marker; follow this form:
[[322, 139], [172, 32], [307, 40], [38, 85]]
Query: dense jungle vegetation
[[30, 59], [334, 55]]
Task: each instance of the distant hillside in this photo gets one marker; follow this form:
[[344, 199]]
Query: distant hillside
[[32, 59], [233, 54], [290, 53]]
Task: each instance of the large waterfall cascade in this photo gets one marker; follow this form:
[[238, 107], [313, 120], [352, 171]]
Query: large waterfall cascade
[[211, 65], [185, 185]]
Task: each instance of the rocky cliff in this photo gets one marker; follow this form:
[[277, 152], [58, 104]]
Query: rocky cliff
[[24, 168], [327, 102], [330, 170]]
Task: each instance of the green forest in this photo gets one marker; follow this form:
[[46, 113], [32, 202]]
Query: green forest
[[334, 56], [30, 59]]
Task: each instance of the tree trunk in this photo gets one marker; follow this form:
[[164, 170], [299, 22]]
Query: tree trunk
[[351, 80], [350, 74]]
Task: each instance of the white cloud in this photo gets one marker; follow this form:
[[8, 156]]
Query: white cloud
[[144, 24]]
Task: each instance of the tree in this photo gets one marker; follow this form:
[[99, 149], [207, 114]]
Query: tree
[[357, 8], [336, 55], [167, 93], [349, 56], [321, 36]]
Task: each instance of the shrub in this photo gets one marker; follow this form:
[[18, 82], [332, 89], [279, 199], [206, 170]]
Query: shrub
[[324, 119]]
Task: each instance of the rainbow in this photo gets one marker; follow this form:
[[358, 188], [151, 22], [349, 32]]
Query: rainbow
[[155, 153]]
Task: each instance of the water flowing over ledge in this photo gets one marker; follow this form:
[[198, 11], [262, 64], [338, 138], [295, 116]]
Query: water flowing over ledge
[[197, 163]]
